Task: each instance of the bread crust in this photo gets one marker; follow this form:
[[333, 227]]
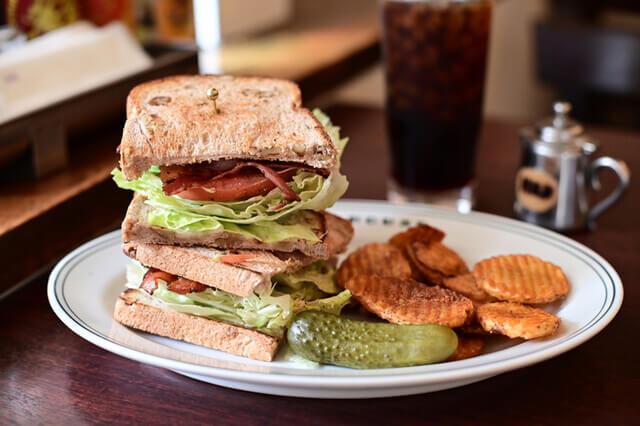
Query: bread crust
[[335, 234], [171, 121], [192, 329], [201, 265]]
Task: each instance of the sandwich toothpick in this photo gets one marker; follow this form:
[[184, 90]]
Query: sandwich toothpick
[[212, 93]]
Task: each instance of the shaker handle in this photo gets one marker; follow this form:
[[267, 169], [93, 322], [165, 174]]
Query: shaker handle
[[621, 170]]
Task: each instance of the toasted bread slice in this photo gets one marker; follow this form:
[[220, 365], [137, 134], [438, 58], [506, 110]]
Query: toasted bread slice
[[203, 265], [171, 121], [335, 234], [131, 311]]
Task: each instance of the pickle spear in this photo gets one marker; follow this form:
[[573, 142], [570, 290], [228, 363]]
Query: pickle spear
[[332, 339]]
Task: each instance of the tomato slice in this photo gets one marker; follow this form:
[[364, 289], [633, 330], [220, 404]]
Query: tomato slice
[[179, 178], [245, 183]]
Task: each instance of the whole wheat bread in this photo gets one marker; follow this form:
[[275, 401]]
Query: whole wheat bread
[[334, 232], [171, 121], [133, 312], [201, 264]]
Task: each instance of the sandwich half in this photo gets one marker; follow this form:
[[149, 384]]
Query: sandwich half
[[255, 170], [236, 301]]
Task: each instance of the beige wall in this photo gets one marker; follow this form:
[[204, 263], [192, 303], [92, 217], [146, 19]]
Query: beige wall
[[512, 87]]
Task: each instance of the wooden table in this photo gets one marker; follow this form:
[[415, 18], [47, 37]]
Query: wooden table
[[50, 375]]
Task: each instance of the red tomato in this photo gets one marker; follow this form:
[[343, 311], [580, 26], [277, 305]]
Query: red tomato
[[244, 183]]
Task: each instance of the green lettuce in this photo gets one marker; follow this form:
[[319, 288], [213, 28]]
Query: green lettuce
[[304, 293], [264, 231], [332, 305], [315, 192], [266, 313], [135, 274], [318, 273], [332, 131]]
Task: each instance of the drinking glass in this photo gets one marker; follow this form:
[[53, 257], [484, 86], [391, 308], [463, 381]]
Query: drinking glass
[[435, 54]]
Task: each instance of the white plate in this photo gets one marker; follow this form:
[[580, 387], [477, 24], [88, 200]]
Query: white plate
[[84, 286]]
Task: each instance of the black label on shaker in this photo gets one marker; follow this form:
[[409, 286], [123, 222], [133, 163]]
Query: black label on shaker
[[536, 190]]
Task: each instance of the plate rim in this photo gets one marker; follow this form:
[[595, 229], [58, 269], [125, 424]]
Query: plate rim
[[355, 381]]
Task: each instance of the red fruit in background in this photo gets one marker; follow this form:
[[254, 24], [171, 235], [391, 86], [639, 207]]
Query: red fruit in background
[[101, 12], [36, 17]]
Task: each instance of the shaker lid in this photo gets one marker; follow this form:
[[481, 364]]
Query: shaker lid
[[559, 135], [560, 128]]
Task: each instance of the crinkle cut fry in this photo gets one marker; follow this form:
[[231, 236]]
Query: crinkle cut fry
[[374, 259], [521, 278], [405, 301]]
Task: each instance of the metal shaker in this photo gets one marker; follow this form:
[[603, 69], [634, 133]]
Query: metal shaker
[[558, 172]]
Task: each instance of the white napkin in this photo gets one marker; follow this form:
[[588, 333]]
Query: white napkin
[[64, 63]]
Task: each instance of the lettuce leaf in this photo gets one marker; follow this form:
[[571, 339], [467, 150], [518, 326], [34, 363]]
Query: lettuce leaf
[[264, 231], [332, 305], [332, 131], [305, 292], [310, 286], [264, 312], [315, 192], [317, 273], [135, 274]]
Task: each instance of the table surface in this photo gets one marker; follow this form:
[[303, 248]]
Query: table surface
[[50, 375]]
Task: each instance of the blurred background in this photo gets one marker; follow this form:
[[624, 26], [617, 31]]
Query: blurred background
[[582, 50], [66, 67]]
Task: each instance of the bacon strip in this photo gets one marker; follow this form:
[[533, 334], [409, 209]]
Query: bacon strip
[[184, 286], [174, 283], [149, 281], [287, 193]]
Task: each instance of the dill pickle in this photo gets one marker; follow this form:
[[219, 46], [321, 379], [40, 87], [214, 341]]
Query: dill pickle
[[331, 339]]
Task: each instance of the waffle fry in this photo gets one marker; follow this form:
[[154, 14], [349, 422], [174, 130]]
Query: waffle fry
[[468, 347], [405, 301], [419, 272], [416, 274], [466, 285], [421, 233], [374, 259], [521, 278], [517, 320], [472, 328], [437, 261]]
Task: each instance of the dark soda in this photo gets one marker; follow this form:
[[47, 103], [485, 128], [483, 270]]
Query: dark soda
[[435, 55]]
